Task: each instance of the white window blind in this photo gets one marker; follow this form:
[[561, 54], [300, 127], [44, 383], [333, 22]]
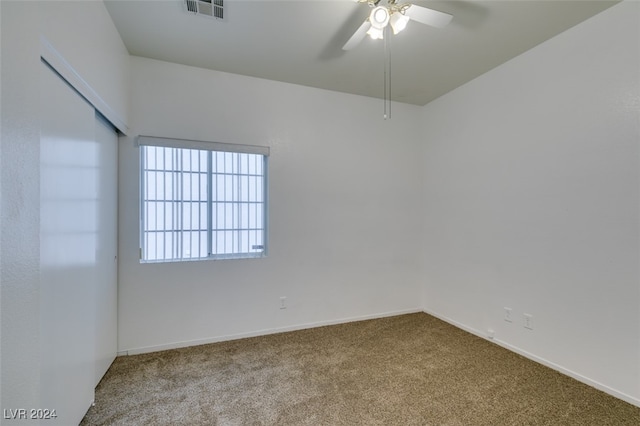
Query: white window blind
[[202, 200]]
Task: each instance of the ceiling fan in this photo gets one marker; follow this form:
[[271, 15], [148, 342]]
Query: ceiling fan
[[397, 15]]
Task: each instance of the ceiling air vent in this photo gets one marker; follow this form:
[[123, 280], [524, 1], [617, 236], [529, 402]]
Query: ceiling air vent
[[212, 8]]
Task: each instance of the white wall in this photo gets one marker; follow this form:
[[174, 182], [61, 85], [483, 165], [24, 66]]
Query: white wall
[[21, 28], [531, 192], [19, 218], [84, 34], [344, 200]]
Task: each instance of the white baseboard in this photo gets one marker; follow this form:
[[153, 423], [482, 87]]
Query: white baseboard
[[263, 332], [546, 363]]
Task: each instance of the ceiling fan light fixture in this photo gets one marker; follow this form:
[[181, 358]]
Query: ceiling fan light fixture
[[375, 33], [398, 22], [379, 17]]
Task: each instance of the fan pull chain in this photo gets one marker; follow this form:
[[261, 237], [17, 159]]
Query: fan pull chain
[[387, 75]]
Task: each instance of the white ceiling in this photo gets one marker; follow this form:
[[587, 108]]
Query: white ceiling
[[300, 41]]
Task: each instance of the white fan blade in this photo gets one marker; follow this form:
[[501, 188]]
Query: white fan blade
[[357, 37], [428, 16]]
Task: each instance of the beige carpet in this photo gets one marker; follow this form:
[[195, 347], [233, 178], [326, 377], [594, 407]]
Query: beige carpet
[[405, 370]]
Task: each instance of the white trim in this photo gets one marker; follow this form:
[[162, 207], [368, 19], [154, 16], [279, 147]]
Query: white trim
[[264, 332], [56, 61], [604, 388], [203, 145]]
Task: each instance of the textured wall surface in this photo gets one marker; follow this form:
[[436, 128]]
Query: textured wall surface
[[87, 38], [344, 199], [19, 218], [531, 192]]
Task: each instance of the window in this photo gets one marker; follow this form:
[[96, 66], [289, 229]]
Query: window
[[202, 200]]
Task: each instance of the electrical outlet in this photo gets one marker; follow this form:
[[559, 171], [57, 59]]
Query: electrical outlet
[[508, 314], [283, 302], [528, 321]]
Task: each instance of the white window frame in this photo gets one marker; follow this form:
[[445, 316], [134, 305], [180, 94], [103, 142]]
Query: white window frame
[[213, 233]]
